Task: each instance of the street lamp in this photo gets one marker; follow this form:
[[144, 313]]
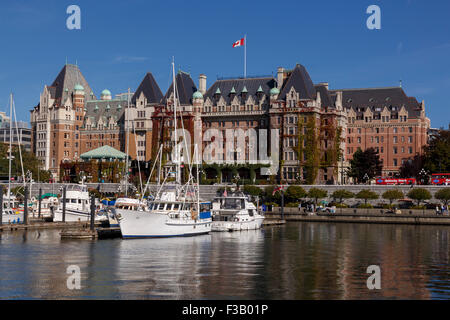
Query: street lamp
[[366, 177], [423, 173]]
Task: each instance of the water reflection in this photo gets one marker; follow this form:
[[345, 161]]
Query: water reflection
[[295, 261]]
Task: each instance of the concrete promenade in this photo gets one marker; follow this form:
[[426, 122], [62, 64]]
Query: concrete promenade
[[347, 215], [209, 191]]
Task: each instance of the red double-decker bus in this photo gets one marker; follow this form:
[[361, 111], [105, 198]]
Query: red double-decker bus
[[440, 179], [395, 181]]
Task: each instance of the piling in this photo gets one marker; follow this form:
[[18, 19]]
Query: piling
[[64, 205], [92, 212], [25, 206], [1, 205], [39, 203]]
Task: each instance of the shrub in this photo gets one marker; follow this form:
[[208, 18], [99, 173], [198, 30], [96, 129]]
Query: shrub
[[365, 206], [341, 205]]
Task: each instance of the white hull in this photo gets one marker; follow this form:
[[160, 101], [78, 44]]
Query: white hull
[[141, 224], [12, 218], [237, 225], [76, 215]]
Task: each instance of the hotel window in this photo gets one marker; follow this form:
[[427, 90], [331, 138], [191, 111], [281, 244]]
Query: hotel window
[[377, 139], [403, 138], [410, 129], [359, 139], [410, 150], [382, 150], [359, 130], [410, 139], [395, 139], [395, 150], [395, 162], [403, 149], [382, 138]]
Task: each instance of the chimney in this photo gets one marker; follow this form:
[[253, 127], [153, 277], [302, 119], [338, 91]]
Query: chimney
[[202, 83], [339, 100], [280, 72], [323, 84]]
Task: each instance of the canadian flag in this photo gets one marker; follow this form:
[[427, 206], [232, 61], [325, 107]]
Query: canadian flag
[[279, 188], [238, 43]]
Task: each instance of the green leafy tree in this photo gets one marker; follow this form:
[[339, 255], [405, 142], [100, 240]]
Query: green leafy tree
[[294, 194], [419, 194], [443, 195], [316, 194], [365, 163], [253, 190], [366, 195], [342, 194], [392, 195], [412, 167], [437, 152]]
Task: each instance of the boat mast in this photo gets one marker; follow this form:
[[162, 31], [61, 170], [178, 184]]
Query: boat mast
[[10, 149], [127, 138], [177, 171]]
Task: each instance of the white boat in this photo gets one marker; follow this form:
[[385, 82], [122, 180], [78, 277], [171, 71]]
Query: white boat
[[46, 206], [235, 213], [11, 212], [172, 213], [165, 217], [77, 205]]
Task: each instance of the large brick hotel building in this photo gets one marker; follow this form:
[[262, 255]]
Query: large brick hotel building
[[316, 124]]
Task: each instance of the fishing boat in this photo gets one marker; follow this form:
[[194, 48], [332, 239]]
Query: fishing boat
[[235, 212], [77, 205], [49, 203], [176, 210]]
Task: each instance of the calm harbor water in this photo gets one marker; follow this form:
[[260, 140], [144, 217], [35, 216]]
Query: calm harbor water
[[295, 261]]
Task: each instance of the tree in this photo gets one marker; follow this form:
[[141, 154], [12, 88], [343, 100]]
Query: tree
[[443, 195], [412, 167], [366, 195], [437, 152], [392, 195], [30, 163], [419, 194], [342, 194], [294, 193], [365, 163], [316, 194], [253, 190]]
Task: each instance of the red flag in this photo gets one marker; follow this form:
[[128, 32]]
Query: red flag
[[238, 43], [225, 194], [280, 188]]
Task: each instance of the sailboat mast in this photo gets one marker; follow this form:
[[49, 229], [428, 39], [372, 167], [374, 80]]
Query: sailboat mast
[[177, 171], [127, 138], [10, 149]]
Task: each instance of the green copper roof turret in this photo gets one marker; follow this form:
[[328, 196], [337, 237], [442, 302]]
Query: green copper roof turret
[[233, 90], [244, 90]]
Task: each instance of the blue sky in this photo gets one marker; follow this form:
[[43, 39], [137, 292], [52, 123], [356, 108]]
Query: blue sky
[[120, 41]]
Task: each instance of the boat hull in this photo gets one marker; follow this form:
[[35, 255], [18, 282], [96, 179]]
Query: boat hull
[[237, 225], [76, 215], [142, 224]]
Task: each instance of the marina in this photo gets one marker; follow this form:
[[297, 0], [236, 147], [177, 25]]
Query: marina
[[297, 260]]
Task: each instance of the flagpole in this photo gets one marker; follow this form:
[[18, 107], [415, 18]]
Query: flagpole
[[245, 56]]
